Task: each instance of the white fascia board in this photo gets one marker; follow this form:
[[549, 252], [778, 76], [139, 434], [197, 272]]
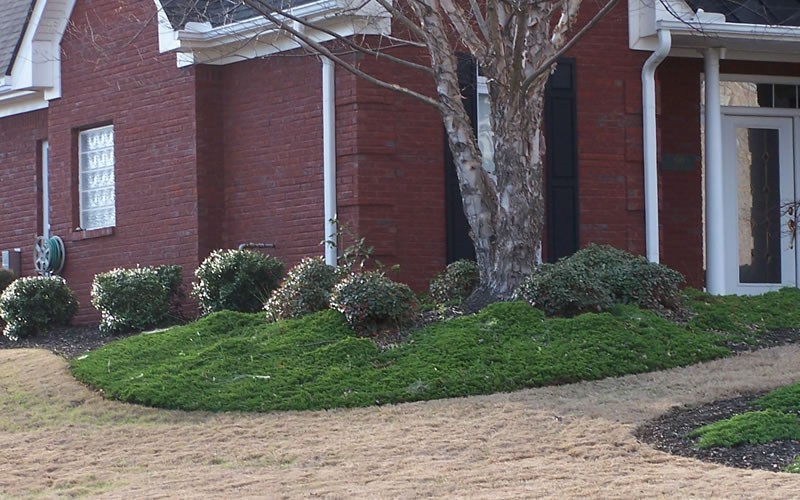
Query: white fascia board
[[692, 32], [259, 37], [732, 31], [20, 101], [273, 42], [167, 37], [252, 27], [36, 75]]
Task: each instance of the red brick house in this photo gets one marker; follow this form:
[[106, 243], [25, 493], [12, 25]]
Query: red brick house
[[146, 133]]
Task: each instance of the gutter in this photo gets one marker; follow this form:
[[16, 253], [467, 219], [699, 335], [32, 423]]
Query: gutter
[[650, 143], [329, 158]]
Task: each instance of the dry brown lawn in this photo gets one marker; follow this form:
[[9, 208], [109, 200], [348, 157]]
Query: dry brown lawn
[[58, 439]]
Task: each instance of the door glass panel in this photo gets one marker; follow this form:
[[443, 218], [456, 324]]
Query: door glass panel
[[759, 207], [786, 96]]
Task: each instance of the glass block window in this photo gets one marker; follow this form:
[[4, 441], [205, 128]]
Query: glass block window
[[96, 178]]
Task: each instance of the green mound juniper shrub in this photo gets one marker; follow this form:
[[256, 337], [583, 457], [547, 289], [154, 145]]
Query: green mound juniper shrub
[[306, 289], [137, 298], [236, 280], [371, 302], [755, 427], [596, 278], [456, 283], [238, 362], [777, 418], [33, 304]]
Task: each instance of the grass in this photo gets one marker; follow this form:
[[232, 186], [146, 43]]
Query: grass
[[237, 362]]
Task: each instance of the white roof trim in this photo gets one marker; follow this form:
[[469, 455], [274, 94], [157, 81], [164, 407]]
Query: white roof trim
[[200, 43], [692, 32], [35, 77]]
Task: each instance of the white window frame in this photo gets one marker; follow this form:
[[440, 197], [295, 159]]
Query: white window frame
[[96, 182]]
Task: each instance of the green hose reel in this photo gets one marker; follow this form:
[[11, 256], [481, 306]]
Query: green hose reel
[[49, 255]]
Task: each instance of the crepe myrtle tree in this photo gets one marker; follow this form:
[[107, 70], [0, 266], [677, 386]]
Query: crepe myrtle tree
[[515, 43]]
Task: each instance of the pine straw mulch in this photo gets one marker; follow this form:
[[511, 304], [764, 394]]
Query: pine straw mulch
[[667, 433]]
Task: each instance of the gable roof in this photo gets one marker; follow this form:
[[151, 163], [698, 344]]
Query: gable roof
[[767, 12], [14, 19], [216, 12]]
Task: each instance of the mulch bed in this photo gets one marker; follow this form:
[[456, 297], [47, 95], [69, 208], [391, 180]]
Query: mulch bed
[[69, 342], [667, 433]]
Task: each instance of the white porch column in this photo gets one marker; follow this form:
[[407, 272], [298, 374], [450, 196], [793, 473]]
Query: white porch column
[[715, 236]]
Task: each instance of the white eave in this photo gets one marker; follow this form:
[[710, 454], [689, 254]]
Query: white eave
[[200, 43], [35, 77], [692, 32]]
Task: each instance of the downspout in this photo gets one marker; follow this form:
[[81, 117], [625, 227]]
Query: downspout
[[329, 157], [651, 143]]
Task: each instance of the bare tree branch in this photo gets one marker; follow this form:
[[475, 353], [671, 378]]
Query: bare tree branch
[[304, 39], [458, 18], [545, 66], [358, 47], [402, 17], [480, 20]]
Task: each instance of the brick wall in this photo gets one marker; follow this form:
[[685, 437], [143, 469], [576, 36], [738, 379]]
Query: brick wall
[[20, 182], [390, 172], [609, 103], [680, 168], [398, 165], [273, 155], [112, 73]]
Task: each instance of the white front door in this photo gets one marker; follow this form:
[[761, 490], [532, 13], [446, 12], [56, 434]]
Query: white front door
[[760, 182]]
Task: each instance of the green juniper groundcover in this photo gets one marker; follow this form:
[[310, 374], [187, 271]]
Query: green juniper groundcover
[[231, 361]]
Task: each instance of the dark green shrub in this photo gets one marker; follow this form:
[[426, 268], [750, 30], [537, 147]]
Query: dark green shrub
[[565, 289], [457, 282], [136, 299], [371, 302], [306, 289], [31, 305], [599, 276], [7, 276], [236, 280], [632, 279]]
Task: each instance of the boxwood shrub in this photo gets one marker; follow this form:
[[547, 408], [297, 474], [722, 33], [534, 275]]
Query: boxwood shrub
[[371, 302], [596, 278], [7, 276], [33, 304], [456, 283], [137, 298], [306, 289], [236, 280]]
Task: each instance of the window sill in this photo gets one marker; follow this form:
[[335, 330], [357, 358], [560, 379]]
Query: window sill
[[88, 234]]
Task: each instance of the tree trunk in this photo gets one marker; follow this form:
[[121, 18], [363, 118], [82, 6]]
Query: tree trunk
[[514, 247]]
